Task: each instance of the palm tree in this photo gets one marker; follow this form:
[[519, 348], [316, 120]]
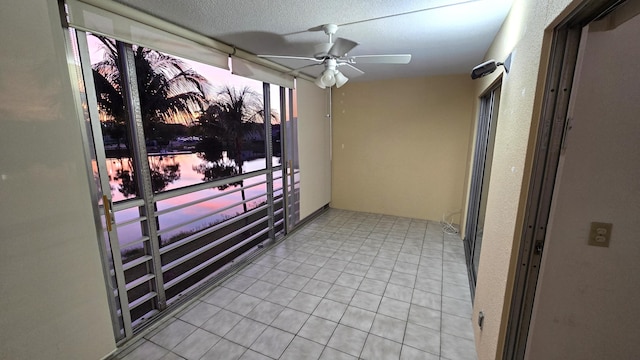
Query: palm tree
[[167, 88], [234, 113]]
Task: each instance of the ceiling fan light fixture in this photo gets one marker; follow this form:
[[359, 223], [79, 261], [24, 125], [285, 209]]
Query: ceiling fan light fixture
[[328, 78], [340, 79], [319, 82], [331, 77]]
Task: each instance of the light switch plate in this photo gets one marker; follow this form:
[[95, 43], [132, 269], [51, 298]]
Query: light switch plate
[[600, 234]]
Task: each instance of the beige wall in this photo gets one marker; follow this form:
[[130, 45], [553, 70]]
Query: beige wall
[[586, 301], [314, 141], [523, 33], [400, 146], [52, 293]]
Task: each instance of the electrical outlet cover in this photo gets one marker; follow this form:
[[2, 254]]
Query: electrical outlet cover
[[600, 234]]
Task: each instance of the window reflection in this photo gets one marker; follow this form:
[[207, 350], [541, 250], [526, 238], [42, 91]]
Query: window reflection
[[200, 123]]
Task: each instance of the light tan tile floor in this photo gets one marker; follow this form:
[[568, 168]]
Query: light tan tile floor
[[347, 285]]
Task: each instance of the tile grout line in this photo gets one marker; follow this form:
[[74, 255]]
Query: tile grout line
[[286, 307], [317, 239], [325, 346], [338, 322], [412, 291]]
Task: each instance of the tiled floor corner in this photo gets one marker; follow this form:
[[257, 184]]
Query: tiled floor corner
[[347, 285]]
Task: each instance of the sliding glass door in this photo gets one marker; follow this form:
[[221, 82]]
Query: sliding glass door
[[189, 171], [483, 156]]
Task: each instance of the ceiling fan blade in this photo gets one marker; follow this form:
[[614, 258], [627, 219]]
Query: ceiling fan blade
[[311, 29], [408, 12], [290, 57], [297, 71], [316, 28], [341, 47], [353, 71], [381, 59]]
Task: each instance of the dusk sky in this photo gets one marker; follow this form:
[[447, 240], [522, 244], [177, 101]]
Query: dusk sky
[[216, 76]]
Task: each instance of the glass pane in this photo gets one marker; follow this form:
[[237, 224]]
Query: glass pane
[[278, 202], [198, 227], [231, 130], [293, 171], [488, 160], [112, 288], [200, 122], [189, 214], [113, 118], [276, 116], [131, 232]]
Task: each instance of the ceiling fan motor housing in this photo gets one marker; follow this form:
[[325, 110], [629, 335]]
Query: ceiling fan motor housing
[[330, 29]]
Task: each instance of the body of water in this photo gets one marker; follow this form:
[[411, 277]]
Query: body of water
[[183, 172]]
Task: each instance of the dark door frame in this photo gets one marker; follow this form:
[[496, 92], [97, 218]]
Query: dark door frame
[[550, 137]]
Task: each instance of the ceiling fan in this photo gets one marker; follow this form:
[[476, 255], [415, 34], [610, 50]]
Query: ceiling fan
[[334, 54]]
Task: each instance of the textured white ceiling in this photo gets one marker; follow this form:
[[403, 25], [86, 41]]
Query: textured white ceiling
[[442, 40]]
